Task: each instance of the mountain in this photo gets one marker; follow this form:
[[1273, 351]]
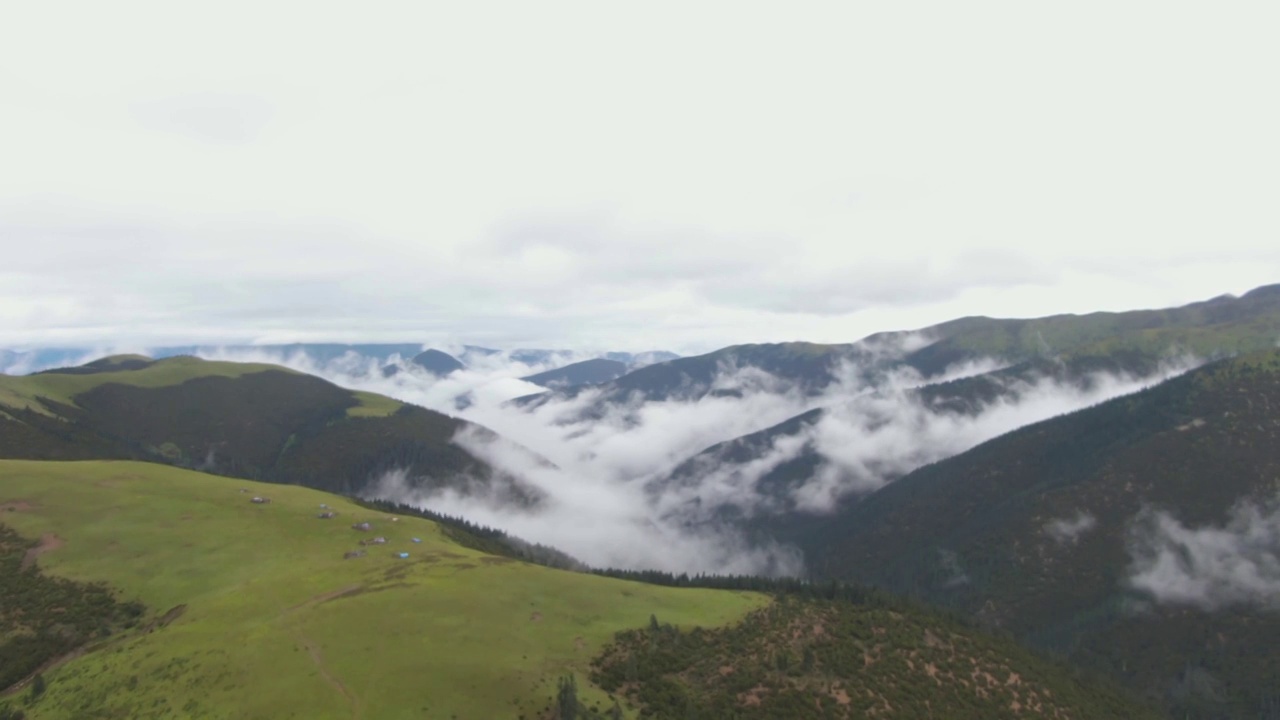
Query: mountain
[[728, 371], [437, 363], [227, 608], [1136, 537], [772, 465], [587, 372], [1225, 325], [247, 420], [146, 591]]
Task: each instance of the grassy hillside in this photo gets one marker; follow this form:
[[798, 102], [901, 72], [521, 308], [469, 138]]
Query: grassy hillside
[[265, 619], [1225, 325], [218, 607], [977, 532], [243, 419]]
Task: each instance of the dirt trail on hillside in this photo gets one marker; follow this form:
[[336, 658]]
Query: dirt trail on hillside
[[48, 543], [313, 651], [324, 597]]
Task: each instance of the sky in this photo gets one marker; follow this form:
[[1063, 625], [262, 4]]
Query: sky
[[664, 175]]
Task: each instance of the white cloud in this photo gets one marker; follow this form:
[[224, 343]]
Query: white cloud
[[600, 505], [1210, 567], [1066, 531]]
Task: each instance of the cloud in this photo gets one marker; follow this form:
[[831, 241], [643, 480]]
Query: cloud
[[869, 435], [607, 502], [1209, 567], [1066, 531], [223, 119]]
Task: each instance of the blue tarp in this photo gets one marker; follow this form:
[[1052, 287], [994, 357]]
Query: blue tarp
[[404, 555]]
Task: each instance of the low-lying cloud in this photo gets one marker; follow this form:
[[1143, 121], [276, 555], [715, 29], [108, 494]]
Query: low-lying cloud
[[607, 458], [1067, 531], [1209, 567], [868, 437]]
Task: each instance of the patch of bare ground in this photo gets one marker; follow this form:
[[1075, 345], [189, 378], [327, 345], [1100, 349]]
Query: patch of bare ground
[[752, 697], [48, 543], [16, 506]]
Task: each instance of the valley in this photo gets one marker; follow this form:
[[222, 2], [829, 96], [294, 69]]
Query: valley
[[1072, 501]]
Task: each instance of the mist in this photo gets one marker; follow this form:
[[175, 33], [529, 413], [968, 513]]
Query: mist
[[1209, 567], [606, 501]]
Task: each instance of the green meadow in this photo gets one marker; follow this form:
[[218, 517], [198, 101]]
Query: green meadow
[[23, 390], [264, 618]]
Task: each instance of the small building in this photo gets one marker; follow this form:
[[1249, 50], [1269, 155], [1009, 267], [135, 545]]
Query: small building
[[353, 554], [260, 500], [402, 555], [323, 506], [327, 515], [362, 527], [417, 540]]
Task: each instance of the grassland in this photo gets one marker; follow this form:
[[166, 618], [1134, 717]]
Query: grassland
[[22, 391], [373, 405], [269, 621]]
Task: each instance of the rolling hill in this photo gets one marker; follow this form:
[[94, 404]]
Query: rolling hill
[[1114, 536], [437, 362], [242, 419], [253, 612], [1225, 325], [587, 372], [230, 608]]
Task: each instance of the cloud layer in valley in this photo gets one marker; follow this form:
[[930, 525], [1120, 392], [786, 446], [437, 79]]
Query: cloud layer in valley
[[601, 507], [1210, 566]]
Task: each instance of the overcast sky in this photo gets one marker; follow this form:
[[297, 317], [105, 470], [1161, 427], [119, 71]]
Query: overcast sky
[[646, 175]]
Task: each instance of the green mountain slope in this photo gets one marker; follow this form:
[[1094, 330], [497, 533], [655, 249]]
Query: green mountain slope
[[830, 659], [242, 419], [266, 619], [1219, 327], [1034, 532], [253, 611], [1225, 325]]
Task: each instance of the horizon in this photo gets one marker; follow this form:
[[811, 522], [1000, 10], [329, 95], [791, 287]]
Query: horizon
[[455, 345]]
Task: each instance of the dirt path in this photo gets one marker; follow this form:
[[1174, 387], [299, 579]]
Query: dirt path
[[48, 543], [313, 651], [324, 597]]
